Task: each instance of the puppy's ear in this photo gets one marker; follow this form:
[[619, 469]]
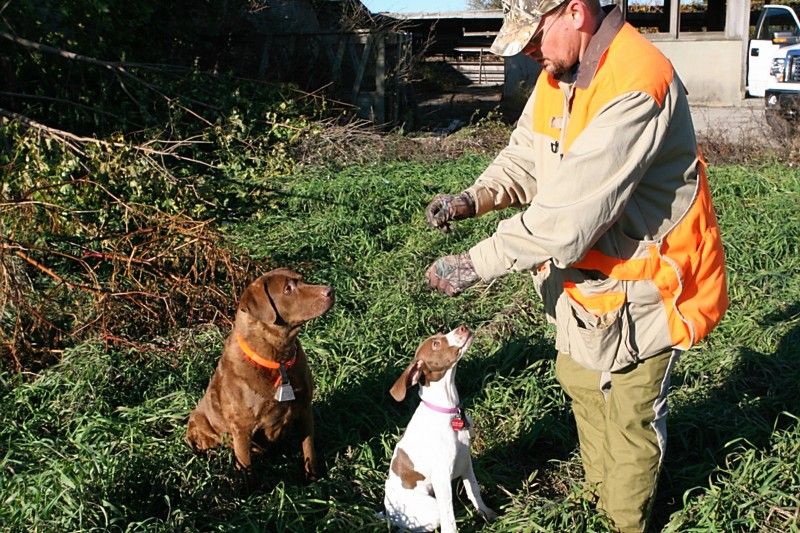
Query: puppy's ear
[[408, 378], [256, 302]]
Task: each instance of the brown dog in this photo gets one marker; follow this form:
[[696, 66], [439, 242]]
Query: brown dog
[[262, 382]]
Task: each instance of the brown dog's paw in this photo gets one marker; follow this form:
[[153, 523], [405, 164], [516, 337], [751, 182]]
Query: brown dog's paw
[[200, 436], [200, 442], [312, 470]]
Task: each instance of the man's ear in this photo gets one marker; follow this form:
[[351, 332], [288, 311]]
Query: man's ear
[[256, 303], [408, 378], [578, 17]]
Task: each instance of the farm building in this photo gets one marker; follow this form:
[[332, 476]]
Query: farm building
[[706, 40], [336, 45]]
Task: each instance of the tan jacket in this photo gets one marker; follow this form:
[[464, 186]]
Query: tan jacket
[[606, 162]]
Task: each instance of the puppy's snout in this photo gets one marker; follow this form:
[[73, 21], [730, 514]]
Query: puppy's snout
[[462, 330]]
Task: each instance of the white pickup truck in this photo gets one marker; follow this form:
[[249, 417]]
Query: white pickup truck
[[774, 66]]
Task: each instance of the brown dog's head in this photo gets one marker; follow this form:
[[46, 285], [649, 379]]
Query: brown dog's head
[[281, 298], [435, 356]]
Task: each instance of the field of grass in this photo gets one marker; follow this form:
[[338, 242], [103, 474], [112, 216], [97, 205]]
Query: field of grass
[[96, 442]]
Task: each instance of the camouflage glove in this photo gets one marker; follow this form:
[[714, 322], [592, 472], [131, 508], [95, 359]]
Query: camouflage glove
[[452, 274], [446, 207]]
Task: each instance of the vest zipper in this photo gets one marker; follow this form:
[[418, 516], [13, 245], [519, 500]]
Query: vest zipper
[[565, 121]]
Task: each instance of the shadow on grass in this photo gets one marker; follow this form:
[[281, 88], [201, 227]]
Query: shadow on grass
[[549, 436], [745, 406]]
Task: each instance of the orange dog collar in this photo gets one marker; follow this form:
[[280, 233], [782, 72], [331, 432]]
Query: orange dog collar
[[251, 354]]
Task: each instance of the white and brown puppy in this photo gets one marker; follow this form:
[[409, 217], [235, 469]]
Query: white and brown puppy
[[434, 450], [262, 384]]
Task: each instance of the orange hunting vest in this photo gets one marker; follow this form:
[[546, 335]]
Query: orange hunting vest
[[687, 262]]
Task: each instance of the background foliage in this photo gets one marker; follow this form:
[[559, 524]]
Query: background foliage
[[117, 166]]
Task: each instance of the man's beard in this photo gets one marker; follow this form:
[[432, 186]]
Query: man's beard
[[558, 69]]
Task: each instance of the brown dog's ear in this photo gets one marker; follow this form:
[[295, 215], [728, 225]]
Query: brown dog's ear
[[408, 378], [256, 302]]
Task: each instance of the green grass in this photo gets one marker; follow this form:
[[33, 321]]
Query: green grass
[[96, 442]]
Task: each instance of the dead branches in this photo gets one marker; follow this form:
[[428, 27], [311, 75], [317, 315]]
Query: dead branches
[[80, 280], [108, 232]]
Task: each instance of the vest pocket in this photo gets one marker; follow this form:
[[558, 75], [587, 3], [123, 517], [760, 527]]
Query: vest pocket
[[597, 328]]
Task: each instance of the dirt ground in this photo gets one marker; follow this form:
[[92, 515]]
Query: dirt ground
[[445, 112]]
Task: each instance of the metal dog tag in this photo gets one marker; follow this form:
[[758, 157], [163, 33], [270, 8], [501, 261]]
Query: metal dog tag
[[459, 421], [285, 393]]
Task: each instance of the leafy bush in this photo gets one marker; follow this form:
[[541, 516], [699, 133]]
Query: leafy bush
[[102, 234], [123, 226]]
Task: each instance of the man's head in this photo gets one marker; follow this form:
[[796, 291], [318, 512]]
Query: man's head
[[553, 32]]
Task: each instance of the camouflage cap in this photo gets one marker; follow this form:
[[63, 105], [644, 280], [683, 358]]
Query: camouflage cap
[[520, 19]]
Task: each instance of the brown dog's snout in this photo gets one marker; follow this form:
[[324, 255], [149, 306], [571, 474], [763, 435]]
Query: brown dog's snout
[[328, 292]]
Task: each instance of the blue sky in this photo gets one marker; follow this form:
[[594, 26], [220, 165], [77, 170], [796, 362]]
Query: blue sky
[[414, 6]]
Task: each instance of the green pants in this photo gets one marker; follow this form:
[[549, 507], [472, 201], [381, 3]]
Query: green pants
[[621, 419]]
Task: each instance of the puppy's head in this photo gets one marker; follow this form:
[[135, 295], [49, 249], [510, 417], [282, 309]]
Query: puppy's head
[[435, 356], [281, 298]]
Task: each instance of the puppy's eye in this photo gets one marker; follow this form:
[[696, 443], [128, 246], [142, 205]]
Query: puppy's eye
[[436, 344]]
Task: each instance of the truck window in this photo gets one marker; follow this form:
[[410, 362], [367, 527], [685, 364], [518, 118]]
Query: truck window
[[775, 21]]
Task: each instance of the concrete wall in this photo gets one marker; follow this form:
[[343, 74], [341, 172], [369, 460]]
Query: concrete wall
[[711, 70], [713, 66]]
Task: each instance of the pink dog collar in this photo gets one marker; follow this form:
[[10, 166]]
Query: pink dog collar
[[445, 410]]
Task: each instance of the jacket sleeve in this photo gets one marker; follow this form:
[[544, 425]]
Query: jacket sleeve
[[594, 181], [509, 180]]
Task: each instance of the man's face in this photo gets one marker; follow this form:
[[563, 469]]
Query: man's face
[[556, 43]]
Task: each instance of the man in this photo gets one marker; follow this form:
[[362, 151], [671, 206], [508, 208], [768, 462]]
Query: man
[[618, 230]]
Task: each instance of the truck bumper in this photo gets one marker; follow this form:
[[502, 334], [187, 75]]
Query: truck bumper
[[785, 103], [782, 111]]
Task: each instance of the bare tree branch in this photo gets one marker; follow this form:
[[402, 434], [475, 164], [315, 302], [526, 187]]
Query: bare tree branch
[[63, 101], [20, 252]]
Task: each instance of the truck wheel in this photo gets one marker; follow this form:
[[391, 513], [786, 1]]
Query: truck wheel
[[779, 123]]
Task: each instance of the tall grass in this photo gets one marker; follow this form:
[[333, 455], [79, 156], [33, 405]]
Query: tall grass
[[96, 442]]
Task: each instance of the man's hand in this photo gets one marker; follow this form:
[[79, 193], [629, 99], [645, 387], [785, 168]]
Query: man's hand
[[446, 207], [452, 274]]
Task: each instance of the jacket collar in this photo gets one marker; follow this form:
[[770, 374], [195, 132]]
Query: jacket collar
[[601, 40]]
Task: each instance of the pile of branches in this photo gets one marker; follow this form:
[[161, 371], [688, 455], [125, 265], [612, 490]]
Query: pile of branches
[[114, 178], [77, 276]]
